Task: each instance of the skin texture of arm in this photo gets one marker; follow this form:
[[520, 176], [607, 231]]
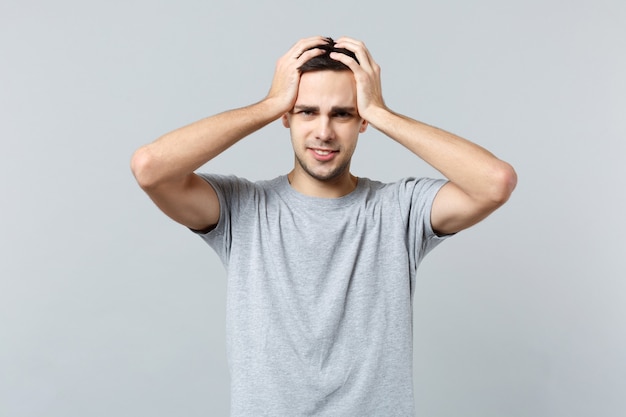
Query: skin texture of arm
[[165, 168], [479, 182]]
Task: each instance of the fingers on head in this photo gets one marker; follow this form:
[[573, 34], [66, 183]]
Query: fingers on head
[[307, 43], [355, 46], [310, 53]]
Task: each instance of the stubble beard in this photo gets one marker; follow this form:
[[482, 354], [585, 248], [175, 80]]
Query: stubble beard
[[329, 176]]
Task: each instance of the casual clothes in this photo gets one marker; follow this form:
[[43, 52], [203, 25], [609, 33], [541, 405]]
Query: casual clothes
[[319, 304]]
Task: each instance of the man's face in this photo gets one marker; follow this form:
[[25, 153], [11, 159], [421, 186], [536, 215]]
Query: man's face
[[325, 124]]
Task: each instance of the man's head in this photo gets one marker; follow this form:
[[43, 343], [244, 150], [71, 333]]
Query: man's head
[[325, 123], [324, 61]]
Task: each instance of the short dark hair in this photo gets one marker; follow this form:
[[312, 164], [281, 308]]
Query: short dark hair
[[324, 61]]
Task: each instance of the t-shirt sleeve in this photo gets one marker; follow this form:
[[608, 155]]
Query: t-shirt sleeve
[[219, 237], [418, 195]]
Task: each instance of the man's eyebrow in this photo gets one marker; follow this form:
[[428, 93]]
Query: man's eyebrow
[[340, 109], [306, 107]]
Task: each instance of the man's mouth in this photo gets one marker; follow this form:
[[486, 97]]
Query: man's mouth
[[322, 151], [323, 155]]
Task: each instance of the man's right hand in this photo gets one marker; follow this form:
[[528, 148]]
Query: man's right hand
[[284, 89]]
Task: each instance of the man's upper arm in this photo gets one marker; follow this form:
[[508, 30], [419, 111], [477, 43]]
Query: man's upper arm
[[453, 210], [191, 202]]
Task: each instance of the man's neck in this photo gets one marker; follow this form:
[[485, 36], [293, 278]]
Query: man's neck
[[335, 188]]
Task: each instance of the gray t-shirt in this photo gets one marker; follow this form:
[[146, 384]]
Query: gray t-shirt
[[319, 299]]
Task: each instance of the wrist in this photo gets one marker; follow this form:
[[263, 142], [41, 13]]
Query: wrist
[[275, 106], [377, 116]]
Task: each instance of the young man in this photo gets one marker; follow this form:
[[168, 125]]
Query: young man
[[321, 264]]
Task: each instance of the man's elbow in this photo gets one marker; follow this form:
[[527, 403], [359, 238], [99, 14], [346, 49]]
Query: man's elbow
[[504, 181], [142, 167]]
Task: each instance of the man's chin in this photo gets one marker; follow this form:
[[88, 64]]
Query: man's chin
[[324, 173], [325, 176]]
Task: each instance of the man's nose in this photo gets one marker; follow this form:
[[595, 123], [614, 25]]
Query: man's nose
[[325, 130]]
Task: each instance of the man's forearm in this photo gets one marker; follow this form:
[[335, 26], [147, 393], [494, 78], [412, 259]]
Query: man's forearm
[[180, 152], [472, 168]]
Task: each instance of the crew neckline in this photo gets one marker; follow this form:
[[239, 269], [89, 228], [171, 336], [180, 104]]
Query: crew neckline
[[285, 188]]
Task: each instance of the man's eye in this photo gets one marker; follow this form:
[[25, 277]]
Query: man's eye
[[343, 115]]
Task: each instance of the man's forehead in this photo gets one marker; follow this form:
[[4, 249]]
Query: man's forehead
[[339, 85], [345, 74]]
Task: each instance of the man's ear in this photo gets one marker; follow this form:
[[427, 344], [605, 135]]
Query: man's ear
[[285, 120], [364, 125]]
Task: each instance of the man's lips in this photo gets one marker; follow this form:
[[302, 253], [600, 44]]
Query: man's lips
[[322, 154]]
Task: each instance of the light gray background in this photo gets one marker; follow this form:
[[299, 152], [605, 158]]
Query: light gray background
[[107, 308]]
